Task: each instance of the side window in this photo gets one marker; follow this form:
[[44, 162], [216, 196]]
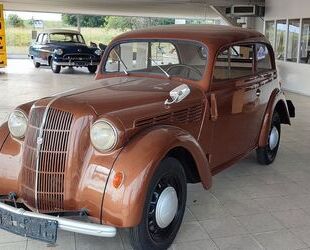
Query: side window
[[263, 60], [235, 62], [45, 39], [39, 38]]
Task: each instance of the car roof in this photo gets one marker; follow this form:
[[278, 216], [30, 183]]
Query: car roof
[[50, 31], [214, 36]]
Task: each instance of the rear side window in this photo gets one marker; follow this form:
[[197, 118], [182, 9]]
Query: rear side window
[[234, 62], [263, 58]]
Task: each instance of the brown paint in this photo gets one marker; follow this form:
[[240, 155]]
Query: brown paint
[[231, 122]]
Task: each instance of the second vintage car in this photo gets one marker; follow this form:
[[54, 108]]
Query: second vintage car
[[172, 105], [63, 48]]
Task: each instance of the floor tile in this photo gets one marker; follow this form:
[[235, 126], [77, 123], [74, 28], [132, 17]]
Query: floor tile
[[293, 218], [191, 231], [195, 245], [242, 242]]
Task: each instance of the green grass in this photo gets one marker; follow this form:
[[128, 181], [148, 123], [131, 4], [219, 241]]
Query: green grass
[[18, 40]]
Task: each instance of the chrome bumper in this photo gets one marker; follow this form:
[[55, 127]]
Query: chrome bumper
[[78, 64], [67, 224]]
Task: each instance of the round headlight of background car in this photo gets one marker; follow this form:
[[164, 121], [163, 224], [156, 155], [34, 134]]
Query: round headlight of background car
[[17, 124], [103, 135], [58, 52], [98, 52]]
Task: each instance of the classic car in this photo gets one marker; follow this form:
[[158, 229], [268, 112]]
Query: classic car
[[63, 48], [172, 105]]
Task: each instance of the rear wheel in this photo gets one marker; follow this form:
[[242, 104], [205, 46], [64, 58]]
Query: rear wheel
[[164, 208], [266, 155], [55, 68], [36, 64], [92, 68]]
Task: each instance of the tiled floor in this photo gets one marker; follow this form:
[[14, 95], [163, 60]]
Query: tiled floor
[[249, 207]]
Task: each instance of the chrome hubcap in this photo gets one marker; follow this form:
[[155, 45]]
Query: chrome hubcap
[[167, 207], [273, 138]]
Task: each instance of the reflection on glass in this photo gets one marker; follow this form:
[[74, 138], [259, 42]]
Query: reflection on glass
[[269, 31], [292, 44], [305, 42], [280, 39]]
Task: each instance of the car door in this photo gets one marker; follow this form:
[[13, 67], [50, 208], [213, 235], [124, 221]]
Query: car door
[[234, 99], [35, 48]]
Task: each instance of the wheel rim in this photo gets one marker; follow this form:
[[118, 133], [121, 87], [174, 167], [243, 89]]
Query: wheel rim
[[273, 138], [162, 219]]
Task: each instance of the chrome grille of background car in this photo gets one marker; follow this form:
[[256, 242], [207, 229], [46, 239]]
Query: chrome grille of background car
[[52, 159], [190, 114]]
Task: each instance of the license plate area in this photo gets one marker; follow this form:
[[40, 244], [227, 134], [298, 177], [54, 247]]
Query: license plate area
[[35, 228]]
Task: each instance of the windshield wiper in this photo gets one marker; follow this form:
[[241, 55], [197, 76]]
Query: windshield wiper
[[156, 64], [124, 65]]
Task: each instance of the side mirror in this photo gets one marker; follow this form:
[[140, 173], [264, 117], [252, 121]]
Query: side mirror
[[93, 45], [178, 94]]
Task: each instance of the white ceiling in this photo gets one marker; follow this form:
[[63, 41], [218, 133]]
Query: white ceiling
[[158, 8]]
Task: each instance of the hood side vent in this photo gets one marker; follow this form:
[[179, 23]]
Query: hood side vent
[[191, 114]]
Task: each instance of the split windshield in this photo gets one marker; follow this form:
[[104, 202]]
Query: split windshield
[[168, 58], [66, 38]]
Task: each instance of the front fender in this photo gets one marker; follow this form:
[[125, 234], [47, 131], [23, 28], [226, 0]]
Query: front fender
[[138, 161], [4, 133], [277, 99]]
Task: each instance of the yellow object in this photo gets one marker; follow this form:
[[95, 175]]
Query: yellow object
[[3, 56]]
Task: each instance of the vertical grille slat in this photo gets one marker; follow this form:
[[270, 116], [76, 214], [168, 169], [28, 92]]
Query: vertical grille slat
[[52, 159]]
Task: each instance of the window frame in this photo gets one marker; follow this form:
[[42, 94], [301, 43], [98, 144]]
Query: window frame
[[227, 47]]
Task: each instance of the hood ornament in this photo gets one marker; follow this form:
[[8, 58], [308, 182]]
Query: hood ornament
[[178, 94]]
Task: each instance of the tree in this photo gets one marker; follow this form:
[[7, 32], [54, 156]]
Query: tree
[[118, 22], [15, 21], [85, 20]]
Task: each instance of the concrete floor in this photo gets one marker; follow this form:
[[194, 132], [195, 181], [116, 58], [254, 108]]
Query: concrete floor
[[249, 207]]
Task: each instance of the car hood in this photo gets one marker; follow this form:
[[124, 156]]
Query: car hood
[[129, 94]]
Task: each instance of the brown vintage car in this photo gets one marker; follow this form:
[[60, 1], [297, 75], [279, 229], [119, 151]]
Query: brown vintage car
[[172, 105]]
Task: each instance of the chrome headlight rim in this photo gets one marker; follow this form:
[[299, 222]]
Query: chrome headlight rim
[[58, 52], [115, 132], [25, 116], [98, 52]]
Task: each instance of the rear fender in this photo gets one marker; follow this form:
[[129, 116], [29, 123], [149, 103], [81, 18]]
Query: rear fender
[[277, 102], [138, 161]]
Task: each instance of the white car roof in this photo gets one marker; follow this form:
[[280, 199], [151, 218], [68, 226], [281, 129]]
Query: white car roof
[[50, 31]]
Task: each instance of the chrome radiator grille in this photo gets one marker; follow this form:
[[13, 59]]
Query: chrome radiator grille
[[42, 183]]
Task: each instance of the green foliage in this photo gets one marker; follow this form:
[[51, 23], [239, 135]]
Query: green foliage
[[131, 23], [85, 20], [14, 21]]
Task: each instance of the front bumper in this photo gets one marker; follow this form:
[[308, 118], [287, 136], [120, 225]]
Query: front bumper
[[64, 223], [76, 63]]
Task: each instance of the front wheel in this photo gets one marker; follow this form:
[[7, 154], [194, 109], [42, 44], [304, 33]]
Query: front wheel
[[55, 68], [36, 64], [266, 155], [163, 209], [92, 69]]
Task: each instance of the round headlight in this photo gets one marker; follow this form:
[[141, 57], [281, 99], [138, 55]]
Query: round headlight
[[17, 124], [98, 52], [58, 52], [103, 135]]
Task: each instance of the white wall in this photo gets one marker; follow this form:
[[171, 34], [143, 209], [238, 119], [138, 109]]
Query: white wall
[[295, 77]]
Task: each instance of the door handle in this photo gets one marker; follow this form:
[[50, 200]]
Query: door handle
[[214, 113], [258, 92]]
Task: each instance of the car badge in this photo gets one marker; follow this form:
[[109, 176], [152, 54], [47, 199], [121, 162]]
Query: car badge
[[79, 50]]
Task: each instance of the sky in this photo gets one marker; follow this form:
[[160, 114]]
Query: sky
[[35, 15]]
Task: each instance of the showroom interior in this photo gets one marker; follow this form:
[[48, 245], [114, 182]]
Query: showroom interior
[[249, 206]]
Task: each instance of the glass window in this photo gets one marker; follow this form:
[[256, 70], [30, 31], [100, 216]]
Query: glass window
[[45, 39], [269, 31], [281, 39], [292, 44], [263, 60], [305, 42], [234, 63], [39, 38], [155, 57], [66, 38]]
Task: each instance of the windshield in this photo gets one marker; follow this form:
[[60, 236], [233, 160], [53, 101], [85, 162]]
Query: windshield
[[168, 58], [66, 38]]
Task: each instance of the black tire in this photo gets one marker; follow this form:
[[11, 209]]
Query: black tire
[[148, 235], [92, 69], [36, 64], [55, 68], [266, 155]]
